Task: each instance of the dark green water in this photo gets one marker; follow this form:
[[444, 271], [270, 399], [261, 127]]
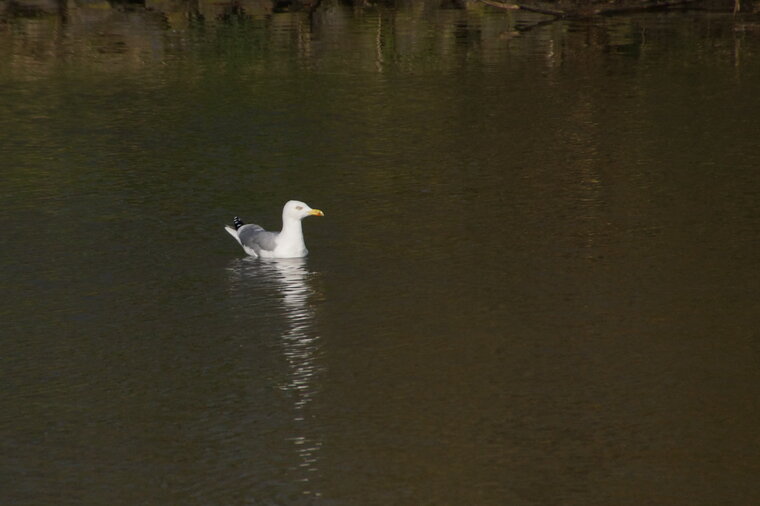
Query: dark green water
[[537, 280]]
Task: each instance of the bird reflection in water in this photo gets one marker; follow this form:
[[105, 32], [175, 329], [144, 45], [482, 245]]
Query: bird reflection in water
[[291, 282]]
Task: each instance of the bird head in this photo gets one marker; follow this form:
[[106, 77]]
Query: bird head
[[298, 210]]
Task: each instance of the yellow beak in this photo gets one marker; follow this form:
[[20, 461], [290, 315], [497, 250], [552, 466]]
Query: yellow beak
[[316, 212]]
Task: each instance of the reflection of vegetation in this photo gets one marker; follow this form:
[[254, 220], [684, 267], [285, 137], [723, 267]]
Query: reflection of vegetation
[[41, 36], [230, 9], [587, 8]]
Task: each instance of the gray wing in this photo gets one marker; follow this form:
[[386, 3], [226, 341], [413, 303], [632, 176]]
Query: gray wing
[[256, 238]]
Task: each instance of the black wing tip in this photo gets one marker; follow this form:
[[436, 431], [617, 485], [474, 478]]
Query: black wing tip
[[237, 222]]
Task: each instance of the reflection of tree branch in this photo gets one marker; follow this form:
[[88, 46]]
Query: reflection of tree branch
[[525, 7], [640, 6], [513, 7], [501, 5], [295, 5], [577, 9], [523, 29]]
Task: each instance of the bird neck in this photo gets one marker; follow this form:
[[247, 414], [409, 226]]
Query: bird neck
[[291, 229]]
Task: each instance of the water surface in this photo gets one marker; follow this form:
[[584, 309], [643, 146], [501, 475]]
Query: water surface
[[536, 281]]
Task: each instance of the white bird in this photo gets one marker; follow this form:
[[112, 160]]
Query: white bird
[[288, 243]]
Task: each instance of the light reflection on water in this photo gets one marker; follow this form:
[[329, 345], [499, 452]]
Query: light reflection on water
[[291, 284]]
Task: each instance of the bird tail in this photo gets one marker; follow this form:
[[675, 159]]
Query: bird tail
[[237, 222], [233, 233]]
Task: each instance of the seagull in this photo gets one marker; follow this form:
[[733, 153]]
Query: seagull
[[288, 243]]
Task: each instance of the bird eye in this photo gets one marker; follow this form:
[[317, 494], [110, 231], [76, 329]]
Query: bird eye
[[299, 208]]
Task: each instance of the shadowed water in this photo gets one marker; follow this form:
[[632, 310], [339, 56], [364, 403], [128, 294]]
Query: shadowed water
[[536, 281]]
